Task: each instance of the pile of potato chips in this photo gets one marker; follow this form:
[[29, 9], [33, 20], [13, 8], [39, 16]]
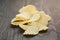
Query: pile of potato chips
[[31, 20]]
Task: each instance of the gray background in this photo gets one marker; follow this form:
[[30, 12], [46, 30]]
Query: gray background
[[9, 8]]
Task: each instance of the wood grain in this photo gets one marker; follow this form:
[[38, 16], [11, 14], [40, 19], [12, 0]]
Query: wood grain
[[9, 8]]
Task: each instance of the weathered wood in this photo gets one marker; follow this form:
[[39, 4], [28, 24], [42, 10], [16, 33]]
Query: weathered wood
[[9, 8]]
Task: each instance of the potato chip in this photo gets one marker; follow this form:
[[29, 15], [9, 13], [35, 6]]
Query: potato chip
[[23, 16], [35, 17], [43, 18], [17, 21], [30, 9], [33, 30], [12, 21], [20, 18], [40, 26], [24, 27], [31, 20], [48, 17]]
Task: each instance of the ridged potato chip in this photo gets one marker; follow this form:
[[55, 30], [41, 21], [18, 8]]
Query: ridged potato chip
[[32, 30]]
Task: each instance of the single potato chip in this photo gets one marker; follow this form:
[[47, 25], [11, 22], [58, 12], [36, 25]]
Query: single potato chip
[[43, 18], [35, 17], [16, 21], [23, 16], [33, 30], [13, 22], [30, 9]]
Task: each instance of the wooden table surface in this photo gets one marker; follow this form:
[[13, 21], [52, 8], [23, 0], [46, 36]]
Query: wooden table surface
[[9, 8]]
